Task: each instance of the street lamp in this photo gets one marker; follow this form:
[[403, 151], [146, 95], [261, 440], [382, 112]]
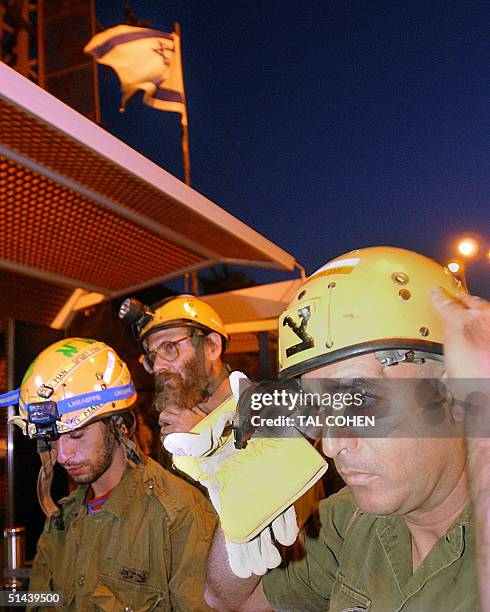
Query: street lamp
[[468, 247]]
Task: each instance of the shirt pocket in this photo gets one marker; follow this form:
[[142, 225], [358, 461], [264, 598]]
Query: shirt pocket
[[115, 595], [347, 599]]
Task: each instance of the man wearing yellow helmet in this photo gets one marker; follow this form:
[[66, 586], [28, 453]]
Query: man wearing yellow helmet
[[182, 339], [400, 535], [132, 535]]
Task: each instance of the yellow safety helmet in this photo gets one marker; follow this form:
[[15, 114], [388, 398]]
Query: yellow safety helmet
[[372, 299], [185, 310], [72, 383]]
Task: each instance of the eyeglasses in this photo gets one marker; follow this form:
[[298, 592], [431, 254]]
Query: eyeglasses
[[167, 350]]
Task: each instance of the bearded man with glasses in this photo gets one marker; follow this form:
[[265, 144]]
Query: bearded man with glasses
[[182, 340]]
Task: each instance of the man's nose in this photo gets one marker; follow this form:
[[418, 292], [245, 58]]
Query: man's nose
[[160, 365], [65, 450], [334, 441]]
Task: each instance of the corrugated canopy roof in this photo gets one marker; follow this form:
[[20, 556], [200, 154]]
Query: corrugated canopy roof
[[80, 209]]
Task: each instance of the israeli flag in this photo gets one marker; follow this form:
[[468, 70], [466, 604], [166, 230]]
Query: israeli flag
[[144, 59]]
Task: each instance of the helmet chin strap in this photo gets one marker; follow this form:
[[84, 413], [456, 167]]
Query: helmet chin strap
[[124, 435], [210, 388], [208, 391], [48, 456]]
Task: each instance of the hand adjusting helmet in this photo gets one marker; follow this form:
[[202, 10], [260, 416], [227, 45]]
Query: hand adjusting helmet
[[369, 300], [70, 384]]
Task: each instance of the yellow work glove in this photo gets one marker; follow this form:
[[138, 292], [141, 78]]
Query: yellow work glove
[[250, 488]]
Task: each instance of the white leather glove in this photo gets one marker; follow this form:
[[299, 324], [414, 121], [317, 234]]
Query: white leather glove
[[259, 554], [198, 444]]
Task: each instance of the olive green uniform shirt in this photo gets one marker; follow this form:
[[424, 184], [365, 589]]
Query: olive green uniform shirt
[[146, 549], [363, 562]]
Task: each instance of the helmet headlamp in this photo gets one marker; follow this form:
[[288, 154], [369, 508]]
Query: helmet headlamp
[[135, 313], [43, 415]]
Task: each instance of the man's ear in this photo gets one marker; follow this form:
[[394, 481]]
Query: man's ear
[[213, 346]]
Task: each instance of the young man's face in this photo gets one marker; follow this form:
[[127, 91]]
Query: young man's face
[[178, 383], [86, 453], [395, 474]]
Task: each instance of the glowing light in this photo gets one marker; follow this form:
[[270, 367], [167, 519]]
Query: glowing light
[[454, 266], [468, 247]]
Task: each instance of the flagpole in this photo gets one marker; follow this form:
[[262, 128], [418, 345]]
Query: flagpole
[[185, 155], [186, 159]]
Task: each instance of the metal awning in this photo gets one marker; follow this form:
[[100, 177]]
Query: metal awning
[[245, 312], [253, 309], [79, 209]]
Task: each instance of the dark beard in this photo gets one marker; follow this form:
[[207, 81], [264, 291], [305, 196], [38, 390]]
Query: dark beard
[[102, 460], [187, 388]]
